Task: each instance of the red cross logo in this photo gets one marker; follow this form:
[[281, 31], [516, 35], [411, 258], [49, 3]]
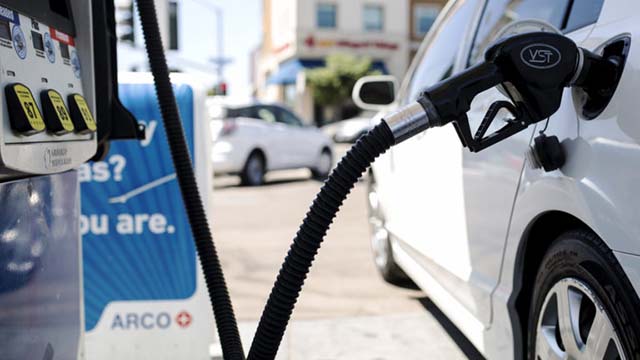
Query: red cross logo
[[310, 41], [183, 319]]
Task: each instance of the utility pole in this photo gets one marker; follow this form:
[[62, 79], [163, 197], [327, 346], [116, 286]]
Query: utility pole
[[220, 61]]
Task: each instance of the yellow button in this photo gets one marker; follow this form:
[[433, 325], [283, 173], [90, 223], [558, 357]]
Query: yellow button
[[83, 120], [56, 114], [24, 115]]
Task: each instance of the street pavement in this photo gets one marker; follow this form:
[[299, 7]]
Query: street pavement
[[345, 311]]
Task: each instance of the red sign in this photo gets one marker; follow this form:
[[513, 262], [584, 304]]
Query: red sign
[[311, 42], [183, 319], [61, 37]]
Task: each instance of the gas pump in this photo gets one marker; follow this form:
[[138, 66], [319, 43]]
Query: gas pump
[[50, 74], [60, 109]]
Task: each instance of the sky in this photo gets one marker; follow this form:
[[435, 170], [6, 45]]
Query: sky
[[242, 34]]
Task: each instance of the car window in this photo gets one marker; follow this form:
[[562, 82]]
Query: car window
[[288, 118], [439, 56], [240, 112], [583, 13], [499, 13], [267, 114]]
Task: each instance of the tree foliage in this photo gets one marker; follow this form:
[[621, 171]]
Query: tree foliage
[[332, 84]]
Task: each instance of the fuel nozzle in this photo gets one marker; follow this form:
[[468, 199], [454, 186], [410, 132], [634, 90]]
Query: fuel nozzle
[[533, 69]]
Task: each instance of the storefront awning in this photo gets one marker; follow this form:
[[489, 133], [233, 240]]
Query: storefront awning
[[288, 71]]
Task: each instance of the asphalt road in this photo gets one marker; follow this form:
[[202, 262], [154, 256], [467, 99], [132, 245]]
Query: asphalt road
[[345, 311]]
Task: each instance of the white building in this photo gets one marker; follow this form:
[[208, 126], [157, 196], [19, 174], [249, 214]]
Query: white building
[[300, 34]]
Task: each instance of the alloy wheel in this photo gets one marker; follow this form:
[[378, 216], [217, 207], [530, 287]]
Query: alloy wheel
[[324, 163], [574, 325], [255, 169]]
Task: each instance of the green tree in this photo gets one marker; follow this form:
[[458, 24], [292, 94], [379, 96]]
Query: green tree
[[332, 85]]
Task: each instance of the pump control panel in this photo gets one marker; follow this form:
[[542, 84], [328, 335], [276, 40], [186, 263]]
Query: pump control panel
[[46, 73]]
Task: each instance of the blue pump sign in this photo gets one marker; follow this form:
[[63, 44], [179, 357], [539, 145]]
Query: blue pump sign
[[140, 268]]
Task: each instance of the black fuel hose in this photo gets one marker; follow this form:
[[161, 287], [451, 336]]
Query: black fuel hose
[[214, 277], [307, 241]]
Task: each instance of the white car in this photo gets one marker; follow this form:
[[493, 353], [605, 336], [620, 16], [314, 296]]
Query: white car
[[251, 140], [528, 262]]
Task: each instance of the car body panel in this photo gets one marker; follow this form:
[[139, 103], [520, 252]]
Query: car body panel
[[491, 181], [446, 274], [610, 147], [466, 251], [592, 186]]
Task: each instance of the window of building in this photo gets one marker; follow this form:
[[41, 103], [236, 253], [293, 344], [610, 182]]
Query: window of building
[[326, 15], [498, 13], [173, 25], [424, 15], [373, 16]]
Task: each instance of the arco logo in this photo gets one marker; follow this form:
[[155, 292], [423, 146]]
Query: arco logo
[[540, 56], [150, 321]]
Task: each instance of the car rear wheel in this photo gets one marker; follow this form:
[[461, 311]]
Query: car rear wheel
[[324, 165], [381, 241], [583, 304], [254, 170]]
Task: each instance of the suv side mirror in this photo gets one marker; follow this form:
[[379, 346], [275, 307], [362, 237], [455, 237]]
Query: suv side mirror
[[374, 92]]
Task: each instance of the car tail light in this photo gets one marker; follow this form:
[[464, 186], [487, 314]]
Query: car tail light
[[228, 127]]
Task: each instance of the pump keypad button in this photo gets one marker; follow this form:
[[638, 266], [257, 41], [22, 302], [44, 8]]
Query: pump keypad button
[[56, 115], [24, 115], [83, 120]]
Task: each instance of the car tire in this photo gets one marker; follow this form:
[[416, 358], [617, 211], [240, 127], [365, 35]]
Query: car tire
[[381, 241], [324, 165], [254, 170], [583, 305]]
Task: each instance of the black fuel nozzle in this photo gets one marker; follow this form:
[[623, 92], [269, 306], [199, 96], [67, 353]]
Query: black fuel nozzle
[[532, 68]]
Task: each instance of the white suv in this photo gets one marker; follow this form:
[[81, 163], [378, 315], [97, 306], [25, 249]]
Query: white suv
[[527, 262]]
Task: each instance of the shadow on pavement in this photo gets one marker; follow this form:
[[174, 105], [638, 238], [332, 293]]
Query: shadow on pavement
[[268, 183], [454, 333]]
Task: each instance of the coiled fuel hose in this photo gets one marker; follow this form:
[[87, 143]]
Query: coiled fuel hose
[[214, 278], [275, 317]]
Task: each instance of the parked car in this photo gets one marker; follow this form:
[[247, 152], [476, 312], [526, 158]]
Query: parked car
[[527, 263], [254, 139], [350, 130]]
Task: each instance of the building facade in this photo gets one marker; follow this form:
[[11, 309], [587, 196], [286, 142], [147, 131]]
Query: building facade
[[300, 34]]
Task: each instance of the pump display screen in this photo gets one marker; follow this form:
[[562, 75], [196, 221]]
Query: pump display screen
[[38, 42], [55, 13], [64, 50], [5, 30]]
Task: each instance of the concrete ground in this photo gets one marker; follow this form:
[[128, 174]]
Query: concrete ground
[[345, 311]]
